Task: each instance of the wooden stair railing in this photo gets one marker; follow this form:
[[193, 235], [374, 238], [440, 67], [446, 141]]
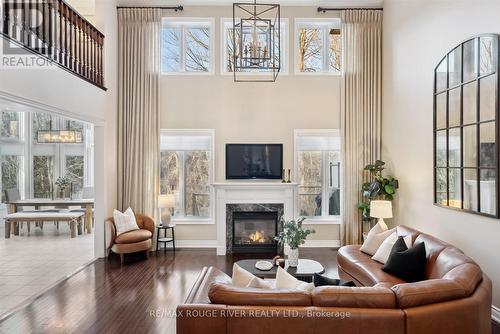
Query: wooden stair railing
[[57, 32]]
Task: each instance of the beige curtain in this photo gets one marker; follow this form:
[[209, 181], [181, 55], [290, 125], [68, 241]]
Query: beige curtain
[[138, 108], [361, 108]]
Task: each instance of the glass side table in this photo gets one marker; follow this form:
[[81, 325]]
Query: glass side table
[[165, 239]]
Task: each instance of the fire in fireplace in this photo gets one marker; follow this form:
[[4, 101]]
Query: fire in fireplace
[[254, 231]]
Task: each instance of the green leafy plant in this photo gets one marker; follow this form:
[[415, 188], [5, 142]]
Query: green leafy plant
[[379, 188], [63, 182], [293, 233]]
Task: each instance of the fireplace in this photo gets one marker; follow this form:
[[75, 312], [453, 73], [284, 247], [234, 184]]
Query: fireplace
[[254, 231], [251, 196], [251, 227]]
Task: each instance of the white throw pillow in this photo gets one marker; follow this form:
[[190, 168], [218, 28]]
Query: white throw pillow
[[124, 222], [286, 281], [384, 251], [243, 278], [259, 283], [375, 238]]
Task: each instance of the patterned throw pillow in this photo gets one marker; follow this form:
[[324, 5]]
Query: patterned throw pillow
[[124, 222]]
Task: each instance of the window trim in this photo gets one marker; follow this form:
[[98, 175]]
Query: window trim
[[27, 148], [284, 56], [200, 132], [59, 152], [186, 22], [316, 220], [314, 21]]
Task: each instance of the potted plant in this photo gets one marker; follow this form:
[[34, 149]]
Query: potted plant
[[293, 235], [62, 183], [379, 188]]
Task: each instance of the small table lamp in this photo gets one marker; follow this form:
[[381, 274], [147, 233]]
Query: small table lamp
[[381, 210], [165, 203]]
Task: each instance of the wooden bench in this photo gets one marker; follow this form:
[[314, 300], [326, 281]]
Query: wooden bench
[[73, 218]]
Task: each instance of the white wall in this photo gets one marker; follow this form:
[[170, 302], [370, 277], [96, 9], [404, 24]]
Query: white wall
[[416, 35], [107, 21], [250, 112], [58, 91], [86, 8]]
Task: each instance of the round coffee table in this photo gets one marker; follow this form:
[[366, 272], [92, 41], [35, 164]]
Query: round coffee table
[[304, 271]]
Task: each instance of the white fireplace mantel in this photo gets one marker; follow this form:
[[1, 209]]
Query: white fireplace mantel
[[251, 193]]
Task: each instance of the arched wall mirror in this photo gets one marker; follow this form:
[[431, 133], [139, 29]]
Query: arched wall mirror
[[466, 134]]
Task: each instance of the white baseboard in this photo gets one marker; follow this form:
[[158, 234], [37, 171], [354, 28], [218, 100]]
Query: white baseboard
[[221, 251], [194, 244], [495, 313], [321, 243], [213, 243]]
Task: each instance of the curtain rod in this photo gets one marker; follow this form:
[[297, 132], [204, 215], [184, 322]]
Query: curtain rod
[[325, 9], [175, 8]]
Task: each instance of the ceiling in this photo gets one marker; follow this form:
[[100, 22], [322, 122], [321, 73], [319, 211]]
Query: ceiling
[[336, 3], [87, 7]]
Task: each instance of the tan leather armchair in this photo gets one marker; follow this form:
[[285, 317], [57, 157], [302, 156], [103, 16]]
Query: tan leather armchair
[[132, 241]]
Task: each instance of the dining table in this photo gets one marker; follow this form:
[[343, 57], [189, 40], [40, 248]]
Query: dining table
[[37, 203]]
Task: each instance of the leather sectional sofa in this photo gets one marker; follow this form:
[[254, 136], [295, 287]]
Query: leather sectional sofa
[[455, 298]]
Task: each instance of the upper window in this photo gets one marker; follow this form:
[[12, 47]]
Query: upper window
[[317, 168], [187, 46], [466, 127], [10, 125], [228, 48], [318, 46], [40, 122], [186, 170], [33, 167]]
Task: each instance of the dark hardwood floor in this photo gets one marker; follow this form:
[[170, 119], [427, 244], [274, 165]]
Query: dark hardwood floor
[[138, 297], [496, 328], [106, 297]]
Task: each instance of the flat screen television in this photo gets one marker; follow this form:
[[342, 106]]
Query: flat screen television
[[254, 161]]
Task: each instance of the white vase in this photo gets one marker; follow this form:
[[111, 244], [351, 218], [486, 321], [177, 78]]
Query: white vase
[[293, 257]]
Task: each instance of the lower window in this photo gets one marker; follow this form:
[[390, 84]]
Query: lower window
[[10, 172], [186, 171], [43, 176], [74, 166], [318, 173]]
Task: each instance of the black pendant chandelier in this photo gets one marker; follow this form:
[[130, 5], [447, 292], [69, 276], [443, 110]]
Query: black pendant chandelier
[[256, 42]]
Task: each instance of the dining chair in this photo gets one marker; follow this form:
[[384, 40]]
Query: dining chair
[[13, 194], [88, 192]]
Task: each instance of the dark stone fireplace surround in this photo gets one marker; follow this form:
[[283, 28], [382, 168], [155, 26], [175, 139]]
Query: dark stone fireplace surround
[[230, 208]]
